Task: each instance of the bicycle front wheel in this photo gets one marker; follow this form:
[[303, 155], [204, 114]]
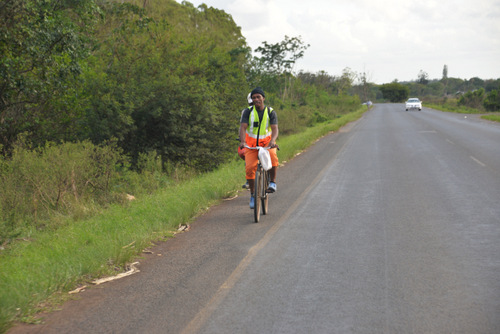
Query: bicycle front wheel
[[265, 195], [257, 194]]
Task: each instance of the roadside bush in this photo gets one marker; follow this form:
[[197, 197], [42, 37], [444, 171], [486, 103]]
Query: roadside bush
[[492, 101], [65, 179], [449, 105], [473, 99], [43, 187], [395, 92], [295, 117], [151, 175]]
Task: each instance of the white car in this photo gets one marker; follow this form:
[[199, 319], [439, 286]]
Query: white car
[[413, 103]]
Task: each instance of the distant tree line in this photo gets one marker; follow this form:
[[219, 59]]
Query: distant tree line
[[474, 92]]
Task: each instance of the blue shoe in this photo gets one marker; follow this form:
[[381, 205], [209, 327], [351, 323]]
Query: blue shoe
[[252, 202], [272, 187]]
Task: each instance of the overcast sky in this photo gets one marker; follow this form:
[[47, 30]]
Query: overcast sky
[[388, 39]]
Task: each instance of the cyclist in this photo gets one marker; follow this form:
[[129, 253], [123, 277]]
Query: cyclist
[[241, 151], [259, 127]]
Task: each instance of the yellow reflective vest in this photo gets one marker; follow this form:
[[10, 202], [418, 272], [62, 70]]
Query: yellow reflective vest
[[258, 129]]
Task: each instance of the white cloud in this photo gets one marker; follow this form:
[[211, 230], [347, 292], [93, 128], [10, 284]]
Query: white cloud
[[390, 39]]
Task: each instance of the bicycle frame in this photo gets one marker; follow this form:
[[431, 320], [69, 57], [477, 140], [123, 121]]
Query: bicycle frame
[[261, 184]]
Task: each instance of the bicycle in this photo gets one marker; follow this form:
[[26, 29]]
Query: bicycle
[[260, 195]]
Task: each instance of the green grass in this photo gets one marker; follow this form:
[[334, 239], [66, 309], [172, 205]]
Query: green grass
[[38, 273], [495, 118], [453, 108], [463, 110]]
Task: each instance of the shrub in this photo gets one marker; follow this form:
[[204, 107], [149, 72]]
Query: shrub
[[62, 179], [395, 92], [473, 99], [492, 101]]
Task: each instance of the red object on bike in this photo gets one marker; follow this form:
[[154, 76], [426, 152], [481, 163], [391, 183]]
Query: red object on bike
[[241, 152]]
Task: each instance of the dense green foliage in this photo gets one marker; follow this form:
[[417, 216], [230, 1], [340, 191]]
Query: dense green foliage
[[39, 182], [138, 76], [395, 92], [472, 99], [159, 87], [41, 46], [492, 100]]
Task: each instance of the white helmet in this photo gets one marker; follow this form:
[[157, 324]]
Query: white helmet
[[249, 98]]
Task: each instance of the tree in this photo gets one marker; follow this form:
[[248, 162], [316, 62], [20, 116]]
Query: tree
[[444, 80], [492, 101], [491, 84], [345, 81], [474, 83], [164, 88], [156, 76], [42, 44], [279, 59], [435, 88], [473, 99], [364, 86], [423, 77], [455, 85], [395, 92]]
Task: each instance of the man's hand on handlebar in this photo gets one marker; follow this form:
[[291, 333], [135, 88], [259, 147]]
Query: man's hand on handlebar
[[244, 145], [273, 145]]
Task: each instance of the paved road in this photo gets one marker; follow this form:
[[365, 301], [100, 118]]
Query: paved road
[[391, 225]]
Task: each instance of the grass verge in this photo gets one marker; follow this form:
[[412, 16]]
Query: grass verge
[[453, 108], [49, 265], [464, 110], [495, 118]]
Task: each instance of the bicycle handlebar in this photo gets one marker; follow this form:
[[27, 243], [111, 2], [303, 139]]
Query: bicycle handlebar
[[254, 148], [264, 147]]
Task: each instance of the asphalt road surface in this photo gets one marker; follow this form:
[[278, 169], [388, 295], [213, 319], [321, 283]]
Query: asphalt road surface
[[391, 225]]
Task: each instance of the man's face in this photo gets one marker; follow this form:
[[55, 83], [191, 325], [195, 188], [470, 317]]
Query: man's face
[[258, 101]]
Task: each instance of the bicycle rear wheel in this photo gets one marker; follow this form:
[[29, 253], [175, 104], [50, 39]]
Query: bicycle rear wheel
[[265, 195], [257, 194]]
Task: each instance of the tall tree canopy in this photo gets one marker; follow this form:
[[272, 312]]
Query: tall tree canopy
[[278, 60], [395, 92], [155, 75], [41, 46]]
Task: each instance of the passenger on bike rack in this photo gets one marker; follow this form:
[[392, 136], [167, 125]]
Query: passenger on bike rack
[[259, 127], [241, 151]]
